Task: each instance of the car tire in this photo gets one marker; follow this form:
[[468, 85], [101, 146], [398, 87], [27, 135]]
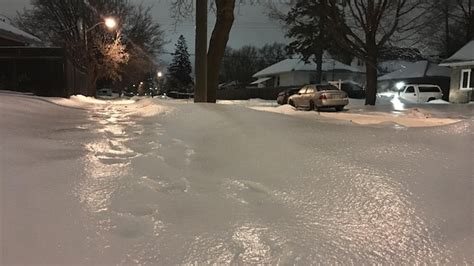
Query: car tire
[[290, 102], [312, 107], [339, 108]]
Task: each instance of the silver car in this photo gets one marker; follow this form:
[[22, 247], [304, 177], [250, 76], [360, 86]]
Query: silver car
[[314, 97]]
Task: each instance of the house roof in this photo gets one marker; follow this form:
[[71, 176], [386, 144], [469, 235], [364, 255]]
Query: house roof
[[290, 65], [389, 66], [418, 69], [463, 57], [260, 80], [12, 33]]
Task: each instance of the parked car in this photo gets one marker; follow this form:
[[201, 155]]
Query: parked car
[[104, 92], [353, 90], [180, 95], [420, 93], [129, 93], [318, 96], [283, 96]]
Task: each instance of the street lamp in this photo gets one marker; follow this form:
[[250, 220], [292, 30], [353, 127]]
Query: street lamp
[[109, 22], [159, 75]]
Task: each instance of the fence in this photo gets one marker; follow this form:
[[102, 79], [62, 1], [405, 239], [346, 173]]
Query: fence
[[251, 93], [43, 71]]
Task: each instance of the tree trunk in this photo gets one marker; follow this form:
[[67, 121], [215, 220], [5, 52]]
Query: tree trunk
[[470, 22], [92, 78], [319, 65], [446, 25], [200, 93], [217, 45], [371, 89]]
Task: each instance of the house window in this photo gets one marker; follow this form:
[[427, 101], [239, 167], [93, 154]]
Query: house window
[[278, 81], [467, 79]]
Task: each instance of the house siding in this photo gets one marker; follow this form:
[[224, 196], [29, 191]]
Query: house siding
[[302, 78], [457, 95], [286, 79]]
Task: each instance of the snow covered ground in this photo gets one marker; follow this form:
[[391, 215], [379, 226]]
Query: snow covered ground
[[169, 182], [389, 110]]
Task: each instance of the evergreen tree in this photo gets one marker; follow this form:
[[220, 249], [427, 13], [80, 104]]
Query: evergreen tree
[[179, 72], [307, 25]]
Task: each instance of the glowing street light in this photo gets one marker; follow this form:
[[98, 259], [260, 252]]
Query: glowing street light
[[110, 23], [159, 74]]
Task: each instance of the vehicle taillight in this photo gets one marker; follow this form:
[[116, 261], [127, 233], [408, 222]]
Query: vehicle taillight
[[323, 97]]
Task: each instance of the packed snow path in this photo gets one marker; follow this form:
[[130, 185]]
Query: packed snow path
[[170, 182]]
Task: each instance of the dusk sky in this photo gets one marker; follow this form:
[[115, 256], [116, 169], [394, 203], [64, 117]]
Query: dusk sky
[[252, 25]]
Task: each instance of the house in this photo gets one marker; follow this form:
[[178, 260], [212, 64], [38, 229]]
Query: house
[[27, 66], [296, 72], [462, 74], [12, 36], [421, 72]]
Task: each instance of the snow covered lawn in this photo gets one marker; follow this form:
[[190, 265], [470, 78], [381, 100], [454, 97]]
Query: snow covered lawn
[[168, 182], [386, 113]]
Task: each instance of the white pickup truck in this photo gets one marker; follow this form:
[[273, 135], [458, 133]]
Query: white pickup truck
[[418, 93]]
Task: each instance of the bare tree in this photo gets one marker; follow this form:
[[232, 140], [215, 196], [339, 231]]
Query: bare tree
[[218, 43], [450, 26], [224, 10], [467, 17], [76, 26], [366, 26]]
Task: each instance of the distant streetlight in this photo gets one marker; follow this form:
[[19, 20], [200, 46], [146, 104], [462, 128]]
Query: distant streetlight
[[159, 75]]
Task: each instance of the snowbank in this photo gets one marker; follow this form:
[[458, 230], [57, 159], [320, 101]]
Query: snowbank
[[147, 108], [144, 107], [439, 101], [81, 101], [414, 117], [250, 102]]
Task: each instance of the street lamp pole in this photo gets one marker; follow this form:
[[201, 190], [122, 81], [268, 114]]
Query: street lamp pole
[[110, 23]]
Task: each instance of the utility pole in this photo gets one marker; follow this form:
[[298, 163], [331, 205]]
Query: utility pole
[[200, 92]]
